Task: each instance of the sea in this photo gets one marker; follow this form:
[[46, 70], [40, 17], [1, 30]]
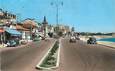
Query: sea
[[107, 39]]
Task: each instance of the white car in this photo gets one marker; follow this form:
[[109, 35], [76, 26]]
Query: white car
[[72, 39]]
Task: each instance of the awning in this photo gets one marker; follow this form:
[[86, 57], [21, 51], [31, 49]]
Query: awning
[[12, 31]]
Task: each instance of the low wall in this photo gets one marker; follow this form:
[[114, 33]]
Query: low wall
[[111, 44]]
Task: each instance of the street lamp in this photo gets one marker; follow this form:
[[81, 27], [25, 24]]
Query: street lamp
[[57, 4]]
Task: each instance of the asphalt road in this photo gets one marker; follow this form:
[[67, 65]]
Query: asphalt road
[[80, 56], [24, 58], [77, 56]]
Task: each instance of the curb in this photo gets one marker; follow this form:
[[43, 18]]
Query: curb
[[58, 58]]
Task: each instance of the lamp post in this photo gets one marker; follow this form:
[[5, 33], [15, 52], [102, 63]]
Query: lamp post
[[57, 4]]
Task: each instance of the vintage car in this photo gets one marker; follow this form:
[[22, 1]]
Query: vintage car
[[91, 40], [72, 39], [11, 43]]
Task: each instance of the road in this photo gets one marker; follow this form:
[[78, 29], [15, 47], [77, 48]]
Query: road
[[77, 56], [24, 58], [80, 56]]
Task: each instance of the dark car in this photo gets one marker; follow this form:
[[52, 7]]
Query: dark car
[[92, 40], [11, 43]]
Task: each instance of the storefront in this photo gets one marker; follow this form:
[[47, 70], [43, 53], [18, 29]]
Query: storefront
[[12, 34]]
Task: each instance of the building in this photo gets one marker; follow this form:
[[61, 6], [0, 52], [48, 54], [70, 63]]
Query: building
[[32, 26], [19, 27], [50, 28], [7, 20], [45, 27], [62, 28]]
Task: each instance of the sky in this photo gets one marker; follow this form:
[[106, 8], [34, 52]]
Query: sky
[[84, 15]]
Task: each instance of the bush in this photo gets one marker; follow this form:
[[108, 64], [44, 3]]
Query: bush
[[50, 60]]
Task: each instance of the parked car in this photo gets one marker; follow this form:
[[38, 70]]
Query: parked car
[[72, 39], [23, 42], [11, 43], [36, 39], [92, 40]]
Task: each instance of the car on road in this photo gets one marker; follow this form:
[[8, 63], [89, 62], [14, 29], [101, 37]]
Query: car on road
[[37, 38], [91, 40], [11, 43], [72, 39]]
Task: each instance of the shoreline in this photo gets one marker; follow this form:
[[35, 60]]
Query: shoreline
[[106, 43]]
